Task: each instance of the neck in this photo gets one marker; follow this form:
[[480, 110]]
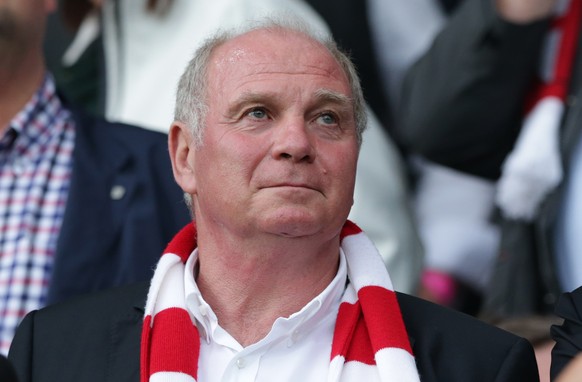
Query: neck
[[18, 83], [250, 285]]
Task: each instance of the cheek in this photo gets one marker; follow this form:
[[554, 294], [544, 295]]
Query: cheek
[[230, 161], [347, 177], [343, 164], [340, 175], [345, 182]]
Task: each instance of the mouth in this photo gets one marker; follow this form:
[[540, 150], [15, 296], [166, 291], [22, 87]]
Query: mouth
[[297, 185], [293, 187]]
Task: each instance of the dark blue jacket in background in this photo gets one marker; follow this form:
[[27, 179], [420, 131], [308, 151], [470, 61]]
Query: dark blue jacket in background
[[122, 209]]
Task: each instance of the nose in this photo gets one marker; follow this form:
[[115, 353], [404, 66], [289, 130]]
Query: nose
[[293, 142]]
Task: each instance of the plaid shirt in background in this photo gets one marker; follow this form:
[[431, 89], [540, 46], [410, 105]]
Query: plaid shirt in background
[[35, 170]]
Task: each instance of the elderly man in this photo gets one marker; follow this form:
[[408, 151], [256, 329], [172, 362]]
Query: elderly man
[[271, 282]]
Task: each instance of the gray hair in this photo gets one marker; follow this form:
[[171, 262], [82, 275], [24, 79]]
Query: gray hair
[[191, 95]]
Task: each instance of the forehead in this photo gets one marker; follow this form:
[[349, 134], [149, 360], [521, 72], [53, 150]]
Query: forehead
[[271, 52]]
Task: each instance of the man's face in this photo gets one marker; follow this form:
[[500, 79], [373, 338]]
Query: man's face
[[279, 151], [22, 24]]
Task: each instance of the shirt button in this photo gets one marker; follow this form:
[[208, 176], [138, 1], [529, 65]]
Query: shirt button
[[295, 335], [293, 338], [241, 363], [117, 192]]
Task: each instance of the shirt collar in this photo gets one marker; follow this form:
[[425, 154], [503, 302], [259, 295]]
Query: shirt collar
[[33, 119], [321, 306]]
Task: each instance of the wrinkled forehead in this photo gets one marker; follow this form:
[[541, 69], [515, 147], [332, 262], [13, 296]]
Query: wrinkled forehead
[[275, 51]]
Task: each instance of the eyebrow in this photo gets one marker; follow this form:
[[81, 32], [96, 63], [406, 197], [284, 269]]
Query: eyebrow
[[250, 98], [266, 97], [333, 96]]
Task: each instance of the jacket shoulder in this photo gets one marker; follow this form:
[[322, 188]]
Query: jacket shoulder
[[114, 299], [96, 127], [452, 346], [85, 339]]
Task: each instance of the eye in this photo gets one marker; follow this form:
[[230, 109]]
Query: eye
[[328, 118], [257, 113]]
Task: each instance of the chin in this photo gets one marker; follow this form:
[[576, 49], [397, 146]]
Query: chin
[[303, 225], [294, 225]]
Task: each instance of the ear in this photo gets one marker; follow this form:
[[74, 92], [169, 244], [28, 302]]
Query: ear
[[182, 154]]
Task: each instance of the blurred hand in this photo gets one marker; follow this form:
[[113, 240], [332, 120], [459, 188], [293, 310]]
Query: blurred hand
[[524, 11], [573, 371], [97, 3]]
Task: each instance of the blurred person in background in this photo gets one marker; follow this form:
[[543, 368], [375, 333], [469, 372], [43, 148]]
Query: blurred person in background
[[84, 204]]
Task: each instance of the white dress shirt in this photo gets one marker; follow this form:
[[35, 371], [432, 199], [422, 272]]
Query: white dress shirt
[[297, 348]]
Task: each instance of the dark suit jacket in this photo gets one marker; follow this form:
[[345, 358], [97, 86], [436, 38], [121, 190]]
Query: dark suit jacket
[[109, 237], [463, 100], [568, 336], [7, 373], [97, 339]]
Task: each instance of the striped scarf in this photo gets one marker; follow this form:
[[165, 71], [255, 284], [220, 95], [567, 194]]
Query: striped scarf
[[370, 342]]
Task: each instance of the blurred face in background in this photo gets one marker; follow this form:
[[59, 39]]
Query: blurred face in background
[[22, 24]]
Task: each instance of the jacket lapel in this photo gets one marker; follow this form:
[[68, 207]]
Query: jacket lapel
[[93, 214], [124, 353]]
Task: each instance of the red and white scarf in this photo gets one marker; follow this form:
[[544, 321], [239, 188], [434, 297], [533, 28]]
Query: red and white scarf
[[370, 342], [534, 167]]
